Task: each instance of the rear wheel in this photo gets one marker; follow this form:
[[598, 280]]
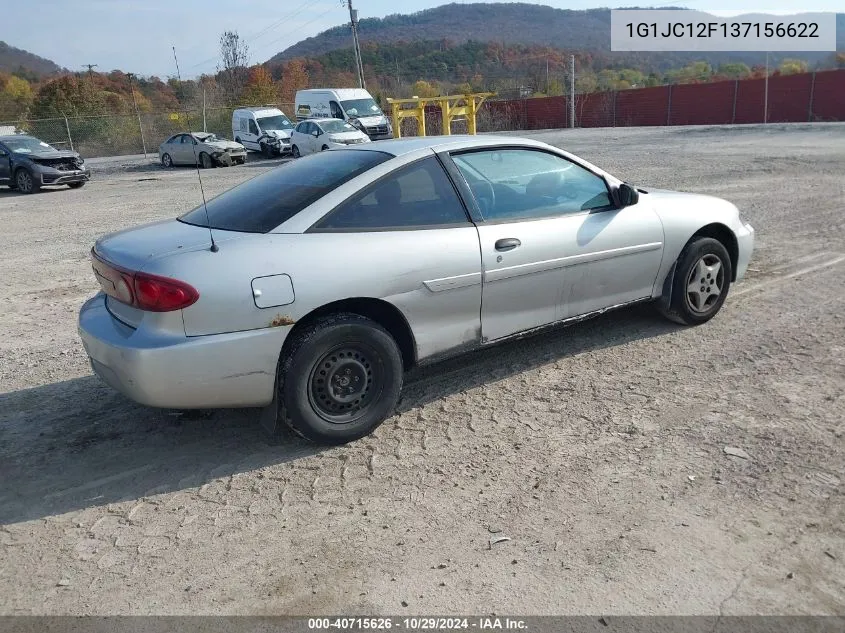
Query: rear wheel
[[295, 151], [166, 160], [702, 280], [25, 181], [341, 379], [76, 185], [324, 148]]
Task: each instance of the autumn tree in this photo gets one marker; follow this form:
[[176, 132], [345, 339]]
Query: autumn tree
[[259, 87], [792, 66], [424, 88], [233, 73], [294, 77], [69, 95], [16, 96]]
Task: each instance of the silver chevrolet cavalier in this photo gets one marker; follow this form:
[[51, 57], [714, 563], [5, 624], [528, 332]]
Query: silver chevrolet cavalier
[[310, 289]]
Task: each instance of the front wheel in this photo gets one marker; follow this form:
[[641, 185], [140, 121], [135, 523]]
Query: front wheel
[[205, 161], [25, 181], [324, 148], [266, 150], [702, 280], [295, 152], [340, 379]]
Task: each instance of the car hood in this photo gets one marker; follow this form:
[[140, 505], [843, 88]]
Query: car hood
[[135, 247], [45, 155], [376, 119], [351, 134], [668, 203], [278, 133], [224, 144]]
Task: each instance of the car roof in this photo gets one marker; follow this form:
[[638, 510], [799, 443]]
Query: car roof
[[11, 137], [400, 146]]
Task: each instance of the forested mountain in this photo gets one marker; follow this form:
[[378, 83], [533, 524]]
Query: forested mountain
[[513, 23], [15, 60]]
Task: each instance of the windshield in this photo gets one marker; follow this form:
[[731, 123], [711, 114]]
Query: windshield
[[337, 126], [27, 145], [361, 107], [263, 203], [277, 122]]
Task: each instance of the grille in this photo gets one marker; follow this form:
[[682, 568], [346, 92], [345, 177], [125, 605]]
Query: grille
[[377, 130], [62, 164]]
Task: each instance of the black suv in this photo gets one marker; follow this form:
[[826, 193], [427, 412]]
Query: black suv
[[27, 164]]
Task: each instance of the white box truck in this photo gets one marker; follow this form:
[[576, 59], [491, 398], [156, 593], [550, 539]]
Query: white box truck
[[354, 105], [266, 130]]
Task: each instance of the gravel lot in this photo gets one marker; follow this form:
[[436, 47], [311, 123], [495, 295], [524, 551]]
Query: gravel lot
[[598, 449]]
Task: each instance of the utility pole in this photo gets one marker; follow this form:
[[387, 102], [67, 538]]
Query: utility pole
[[547, 75], [572, 91], [359, 64], [766, 92], [90, 67], [137, 113]]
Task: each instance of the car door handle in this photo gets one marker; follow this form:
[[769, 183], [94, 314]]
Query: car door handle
[[507, 244]]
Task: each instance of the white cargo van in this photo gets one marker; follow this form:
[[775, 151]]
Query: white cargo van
[[266, 130], [354, 105]]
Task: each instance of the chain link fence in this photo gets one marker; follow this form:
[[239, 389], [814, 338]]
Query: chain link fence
[[124, 134], [818, 96]]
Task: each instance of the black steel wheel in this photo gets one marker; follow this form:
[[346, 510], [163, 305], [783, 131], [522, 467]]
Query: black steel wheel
[[295, 152], [341, 377]]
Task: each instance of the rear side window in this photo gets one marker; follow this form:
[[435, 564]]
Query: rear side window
[[418, 195], [263, 203]]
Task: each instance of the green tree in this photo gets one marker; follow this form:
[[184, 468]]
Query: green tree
[[734, 70]]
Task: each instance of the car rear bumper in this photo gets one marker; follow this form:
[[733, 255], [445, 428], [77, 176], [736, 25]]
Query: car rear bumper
[[745, 244], [162, 370]]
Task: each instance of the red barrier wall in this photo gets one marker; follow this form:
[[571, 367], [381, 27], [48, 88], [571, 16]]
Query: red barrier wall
[[816, 96]]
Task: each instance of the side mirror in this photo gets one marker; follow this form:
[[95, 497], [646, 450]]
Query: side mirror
[[627, 195], [3, 153], [316, 132]]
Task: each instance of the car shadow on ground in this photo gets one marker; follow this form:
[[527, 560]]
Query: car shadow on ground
[[75, 444], [14, 193]]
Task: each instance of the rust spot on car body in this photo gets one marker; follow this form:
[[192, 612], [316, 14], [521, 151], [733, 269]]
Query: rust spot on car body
[[280, 320]]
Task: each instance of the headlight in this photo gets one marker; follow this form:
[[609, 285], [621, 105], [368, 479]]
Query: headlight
[[357, 123]]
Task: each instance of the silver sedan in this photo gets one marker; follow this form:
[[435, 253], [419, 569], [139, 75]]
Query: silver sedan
[[200, 148], [310, 289]]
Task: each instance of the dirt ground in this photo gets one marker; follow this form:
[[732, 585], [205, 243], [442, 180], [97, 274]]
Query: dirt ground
[[598, 449]]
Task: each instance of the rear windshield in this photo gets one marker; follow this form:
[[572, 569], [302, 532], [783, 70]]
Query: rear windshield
[[261, 204]]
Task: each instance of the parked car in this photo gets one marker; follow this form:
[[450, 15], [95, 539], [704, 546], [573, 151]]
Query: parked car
[[354, 105], [384, 256], [266, 130], [28, 163], [200, 148], [318, 135]]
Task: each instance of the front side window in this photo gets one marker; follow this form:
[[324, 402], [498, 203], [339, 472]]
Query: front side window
[[186, 139], [261, 204], [253, 128], [417, 195], [524, 184]]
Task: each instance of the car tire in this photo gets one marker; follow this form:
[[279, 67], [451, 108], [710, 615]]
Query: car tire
[[702, 280], [340, 379], [205, 161], [238, 140], [166, 161], [324, 148], [294, 151], [266, 150], [76, 185], [25, 181]]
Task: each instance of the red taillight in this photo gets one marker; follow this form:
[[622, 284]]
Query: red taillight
[[142, 290], [160, 294]]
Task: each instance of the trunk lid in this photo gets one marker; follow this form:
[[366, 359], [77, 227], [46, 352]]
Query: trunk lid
[[136, 247]]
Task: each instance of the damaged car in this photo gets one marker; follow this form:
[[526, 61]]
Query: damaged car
[[200, 148], [28, 163]]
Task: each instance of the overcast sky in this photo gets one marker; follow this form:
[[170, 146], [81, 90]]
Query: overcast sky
[[137, 35]]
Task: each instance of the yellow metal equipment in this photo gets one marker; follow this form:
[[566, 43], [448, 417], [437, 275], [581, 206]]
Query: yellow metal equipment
[[451, 107]]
